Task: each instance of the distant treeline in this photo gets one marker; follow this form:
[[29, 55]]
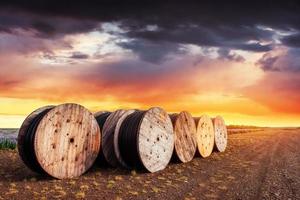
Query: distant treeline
[[243, 127]]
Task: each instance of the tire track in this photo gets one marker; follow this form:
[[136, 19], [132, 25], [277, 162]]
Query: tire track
[[265, 167]]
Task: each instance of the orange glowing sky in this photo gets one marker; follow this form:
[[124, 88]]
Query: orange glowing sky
[[250, 76]]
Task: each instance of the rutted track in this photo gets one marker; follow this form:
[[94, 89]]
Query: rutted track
[[256, 165]]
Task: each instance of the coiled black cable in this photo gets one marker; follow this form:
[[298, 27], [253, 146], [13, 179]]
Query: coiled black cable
[[128, 138], [174, 157], [101, 120], [173, 118], [197, 119], [29, 149]]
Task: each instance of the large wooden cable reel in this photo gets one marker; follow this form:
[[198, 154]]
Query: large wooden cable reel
[[146, 139], [62, 141], [185, 136], [205, 135], [220, 131]]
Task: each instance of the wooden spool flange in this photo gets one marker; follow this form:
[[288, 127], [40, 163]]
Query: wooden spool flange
[[185, 136], [146, 139], [220, 133], [66, 140], [108, 137], [205, 135]]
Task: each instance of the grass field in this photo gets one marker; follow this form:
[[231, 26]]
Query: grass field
[[7, 144], [8, 138]]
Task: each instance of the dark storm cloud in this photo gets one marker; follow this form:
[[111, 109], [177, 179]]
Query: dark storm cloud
[[204, 36], [292, 40], [152, 52], [231, 19], [42, 25], [228, 55], [267, 63], [284, 62], [79, 55], [229, 25]]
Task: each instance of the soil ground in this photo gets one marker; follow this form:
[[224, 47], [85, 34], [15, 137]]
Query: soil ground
[[256, 165]]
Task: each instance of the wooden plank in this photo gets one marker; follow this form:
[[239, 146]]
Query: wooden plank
[[185, 136], [67, 141], [155, 139], [220, 132], [205, 135]]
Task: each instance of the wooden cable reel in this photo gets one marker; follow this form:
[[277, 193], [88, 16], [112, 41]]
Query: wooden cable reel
[[146, 139], [62, 141], [220, 132], [205, 135], [185, 136]]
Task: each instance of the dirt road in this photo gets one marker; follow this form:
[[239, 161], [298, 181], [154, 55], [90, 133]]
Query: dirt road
[[256, 165]]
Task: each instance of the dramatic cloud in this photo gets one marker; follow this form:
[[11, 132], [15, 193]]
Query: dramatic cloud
[[46, 26], [240, 58], [281, 59], [292, 40], [159, 31], [227, 54], [152, 52], [79, 55]]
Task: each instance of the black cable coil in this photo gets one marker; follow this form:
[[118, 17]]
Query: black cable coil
[[174, 157], [101, 120], [29, 149], [128, 137]]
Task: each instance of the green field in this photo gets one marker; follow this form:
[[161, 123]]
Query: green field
[[7, 144], [8, 138]]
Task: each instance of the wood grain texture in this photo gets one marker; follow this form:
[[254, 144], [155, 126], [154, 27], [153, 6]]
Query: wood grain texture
[[205, 135], [185, 136], [108, 137], [120, 160], [155, 139], [220, 131], [67, 141], [23, 131]]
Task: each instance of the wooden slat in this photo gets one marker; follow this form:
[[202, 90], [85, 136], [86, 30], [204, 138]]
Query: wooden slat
[[67, 141]]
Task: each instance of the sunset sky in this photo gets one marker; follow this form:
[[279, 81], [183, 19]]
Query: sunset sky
[[238, 61]]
